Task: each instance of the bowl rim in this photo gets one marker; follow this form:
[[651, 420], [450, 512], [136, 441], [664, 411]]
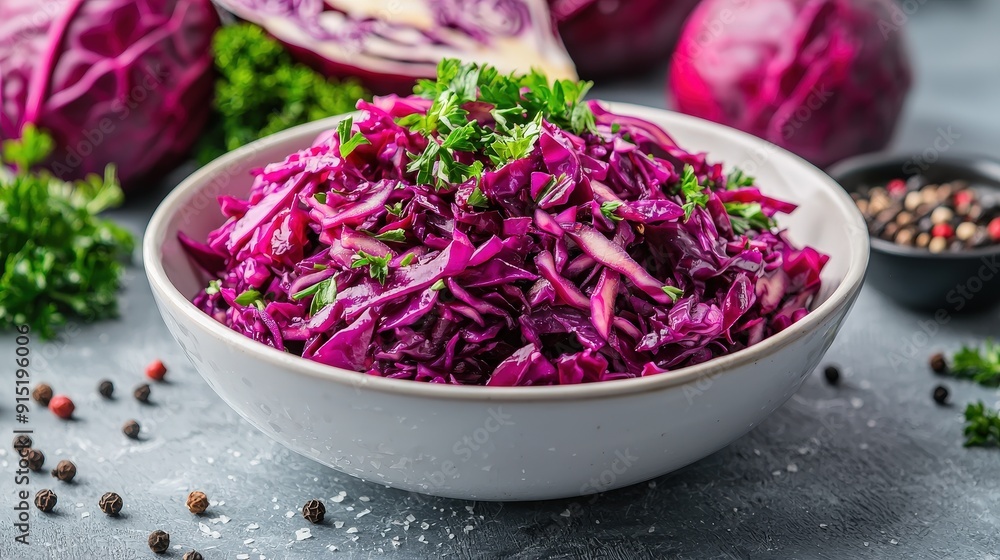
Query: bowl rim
[[978, 164], [843, 295]]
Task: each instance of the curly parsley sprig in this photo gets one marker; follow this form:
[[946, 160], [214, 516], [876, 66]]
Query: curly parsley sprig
[[58, 260], [520, 104]]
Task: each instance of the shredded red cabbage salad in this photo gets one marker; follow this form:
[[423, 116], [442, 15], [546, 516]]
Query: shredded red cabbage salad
[[500, 230]]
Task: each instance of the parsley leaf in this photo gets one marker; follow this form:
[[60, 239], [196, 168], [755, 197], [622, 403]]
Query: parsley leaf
[[326, 294], [396, 209], [349, 142], [398, 235], [745, 216], [981, 366], [674, 292], [609, 208], [737, 179], [982, 426], [378, 267], [249, 297], [405, 261], [693, 192], [438, 286], [214, 286], [478, 199]]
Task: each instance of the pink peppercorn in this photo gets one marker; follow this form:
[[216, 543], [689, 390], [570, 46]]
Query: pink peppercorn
[[896, 186], [943, 230], [994, 229], [61, 406], [156, 370]]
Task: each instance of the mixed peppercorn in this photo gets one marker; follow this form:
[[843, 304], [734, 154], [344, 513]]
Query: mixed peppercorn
[[936, 217]]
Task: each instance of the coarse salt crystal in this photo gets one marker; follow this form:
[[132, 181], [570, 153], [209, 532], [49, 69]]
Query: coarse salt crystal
[[303, 534], [338, 524], [352, 530]]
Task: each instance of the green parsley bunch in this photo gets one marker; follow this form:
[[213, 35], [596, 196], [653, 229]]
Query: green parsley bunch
[[57, 258]]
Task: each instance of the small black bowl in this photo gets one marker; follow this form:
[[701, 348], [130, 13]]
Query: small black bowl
[[946, 282]]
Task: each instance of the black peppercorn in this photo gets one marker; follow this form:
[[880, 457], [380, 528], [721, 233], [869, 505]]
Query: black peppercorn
[[42, 394], [110, 503], [141, 393], [193, 555], [131, 429], [22, 442], [938, 363], [106, 389], [64, 471], [832, 375], [35, 459], [314, 511], [941, 394], [45, 500], [159, 541]]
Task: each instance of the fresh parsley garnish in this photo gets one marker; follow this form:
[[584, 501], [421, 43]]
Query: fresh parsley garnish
[[737, 179], [396, 209], [249, 297], [398, 235], [477, 199], [405, 261], [693, 192], [349, 142], [673, 292], [745, 216], [378, 267], [979, 365], [320, 197], [982, 426], [324, 293], [609, 208], [213, 287], [438, 286], [520, 104], [58, 259]]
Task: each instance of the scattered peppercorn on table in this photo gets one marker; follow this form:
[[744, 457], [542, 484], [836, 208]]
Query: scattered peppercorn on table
[[861, 462]]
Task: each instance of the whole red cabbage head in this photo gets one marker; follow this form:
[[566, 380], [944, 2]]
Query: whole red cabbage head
[[114, 81], [609, 38], [825, 79], [390, 44]]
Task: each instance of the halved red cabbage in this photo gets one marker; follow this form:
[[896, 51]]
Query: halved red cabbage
[[598, 275], [115, 81], [389, 44]]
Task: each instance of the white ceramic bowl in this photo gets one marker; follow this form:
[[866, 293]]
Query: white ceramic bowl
[[517, 443]]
